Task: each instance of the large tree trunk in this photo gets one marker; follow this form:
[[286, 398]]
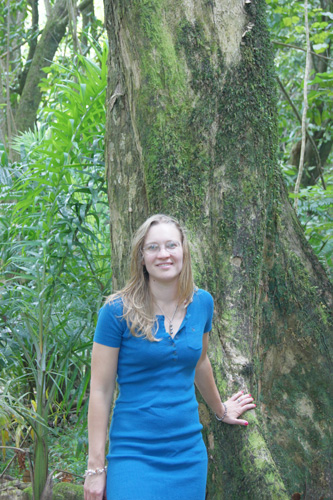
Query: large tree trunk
[[191, 131]]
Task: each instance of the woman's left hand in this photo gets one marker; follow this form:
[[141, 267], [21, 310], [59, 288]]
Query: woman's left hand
[[236, 406]]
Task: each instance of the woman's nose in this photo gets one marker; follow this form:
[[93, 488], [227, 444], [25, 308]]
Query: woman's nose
[[163, 251]]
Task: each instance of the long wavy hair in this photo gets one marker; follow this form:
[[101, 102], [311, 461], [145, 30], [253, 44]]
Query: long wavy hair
[[136, 296]]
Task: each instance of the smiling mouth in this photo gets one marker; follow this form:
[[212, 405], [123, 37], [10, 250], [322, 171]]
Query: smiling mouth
[[166, 264]]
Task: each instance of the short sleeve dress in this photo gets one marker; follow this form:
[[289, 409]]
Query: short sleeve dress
[[156, 447]]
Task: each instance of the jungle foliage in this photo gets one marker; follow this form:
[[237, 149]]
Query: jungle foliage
[[55, 258], [286, 21]]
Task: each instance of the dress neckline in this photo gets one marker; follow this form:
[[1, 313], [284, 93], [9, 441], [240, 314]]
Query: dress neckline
[[186, 317]]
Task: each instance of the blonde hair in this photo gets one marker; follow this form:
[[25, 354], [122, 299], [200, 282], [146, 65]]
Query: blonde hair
[[136, 296]]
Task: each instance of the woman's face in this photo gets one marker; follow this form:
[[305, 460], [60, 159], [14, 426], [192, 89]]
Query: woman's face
[[163, 252]]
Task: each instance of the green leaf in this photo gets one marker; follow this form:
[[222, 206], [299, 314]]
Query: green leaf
[[328, 14], [320, 47]]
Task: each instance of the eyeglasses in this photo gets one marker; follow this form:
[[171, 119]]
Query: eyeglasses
[[154, 248]]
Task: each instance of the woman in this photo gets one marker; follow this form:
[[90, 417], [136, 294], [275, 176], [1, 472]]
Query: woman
[[153, 335]]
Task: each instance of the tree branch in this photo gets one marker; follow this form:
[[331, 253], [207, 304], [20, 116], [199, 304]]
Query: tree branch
[[300, 48]]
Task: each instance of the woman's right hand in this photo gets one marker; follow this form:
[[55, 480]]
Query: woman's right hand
[[104, 364], [95, 487]]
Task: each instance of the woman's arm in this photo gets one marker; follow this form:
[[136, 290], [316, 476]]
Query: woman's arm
[[204, 380], [104, 364]]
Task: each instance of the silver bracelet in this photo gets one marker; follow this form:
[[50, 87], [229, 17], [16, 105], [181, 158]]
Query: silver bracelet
[[92, 472], [224, 414]]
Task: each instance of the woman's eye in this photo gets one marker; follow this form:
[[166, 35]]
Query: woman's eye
[[152, 248], [171, 245]]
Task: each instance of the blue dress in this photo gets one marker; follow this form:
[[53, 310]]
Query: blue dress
[[156, 447]]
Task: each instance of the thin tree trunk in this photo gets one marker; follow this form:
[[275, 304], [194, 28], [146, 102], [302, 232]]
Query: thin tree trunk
[[191, 131], [305, 103]]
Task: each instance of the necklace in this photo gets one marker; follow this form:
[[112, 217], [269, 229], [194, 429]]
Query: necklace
[[167, 317]]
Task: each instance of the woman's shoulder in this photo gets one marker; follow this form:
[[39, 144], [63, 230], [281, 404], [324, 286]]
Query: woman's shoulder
[[113, 305], [115, 300], [110, 324], [202, 296]]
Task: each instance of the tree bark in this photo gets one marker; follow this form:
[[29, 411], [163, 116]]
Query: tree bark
[[192, 131]]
